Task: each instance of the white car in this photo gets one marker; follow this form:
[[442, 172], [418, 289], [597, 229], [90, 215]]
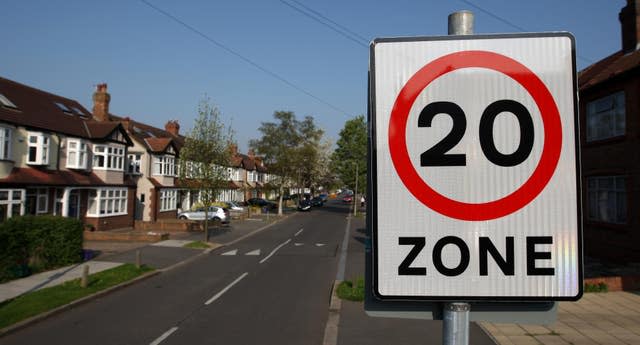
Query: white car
[[214, 213], [233, 206]]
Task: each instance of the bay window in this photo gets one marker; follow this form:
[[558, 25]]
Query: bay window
[[168, 199], [164, 165], [109, 157], [11, 203], [38, 148], [107, 202]]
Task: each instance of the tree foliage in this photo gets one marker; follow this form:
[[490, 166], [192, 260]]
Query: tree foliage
[[205, 156], [350, 155], [290, 149]]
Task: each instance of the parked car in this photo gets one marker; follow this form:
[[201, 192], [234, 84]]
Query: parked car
[[304, 205], [347, 199], [261, 203], [233, 206], [324, 197], [317, 201], [214, 213]]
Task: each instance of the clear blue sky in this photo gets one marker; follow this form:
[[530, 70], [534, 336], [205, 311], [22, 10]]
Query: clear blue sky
[[158, 70]]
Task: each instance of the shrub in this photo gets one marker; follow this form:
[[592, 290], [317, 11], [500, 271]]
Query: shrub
[[600, 287], [346, 290], [42, 242]]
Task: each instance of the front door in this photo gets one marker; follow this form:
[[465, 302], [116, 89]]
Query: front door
[[74, 205]]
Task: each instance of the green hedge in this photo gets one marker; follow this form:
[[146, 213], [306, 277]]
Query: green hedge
[[38, 242]]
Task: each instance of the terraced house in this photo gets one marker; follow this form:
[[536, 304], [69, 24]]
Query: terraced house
[[55, 159]]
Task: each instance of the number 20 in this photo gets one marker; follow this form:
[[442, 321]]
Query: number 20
[[438, 156]]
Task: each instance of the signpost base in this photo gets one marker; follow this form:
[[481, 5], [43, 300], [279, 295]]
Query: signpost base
[[455, 325]]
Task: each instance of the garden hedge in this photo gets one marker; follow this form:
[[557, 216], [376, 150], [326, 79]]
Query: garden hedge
[[39, 243]]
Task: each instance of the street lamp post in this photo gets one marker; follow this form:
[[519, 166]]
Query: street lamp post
[[355, 195]]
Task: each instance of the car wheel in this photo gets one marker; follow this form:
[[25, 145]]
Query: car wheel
[[182, 217]]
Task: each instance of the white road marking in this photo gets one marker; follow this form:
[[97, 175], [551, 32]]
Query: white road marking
[[164, 336], [297, 244], [212, 299], [231, 252], [319, 244], [255, 252], [275, 250], [299, 231]]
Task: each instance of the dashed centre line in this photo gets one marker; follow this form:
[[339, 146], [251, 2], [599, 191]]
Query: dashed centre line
[[219, 294], [164, 336], [275, 250]]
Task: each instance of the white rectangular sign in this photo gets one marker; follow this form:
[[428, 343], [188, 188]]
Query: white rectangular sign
[[475, 168]]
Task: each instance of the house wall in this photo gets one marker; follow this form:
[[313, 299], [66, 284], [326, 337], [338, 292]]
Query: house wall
[[615, 156], [110, 176]]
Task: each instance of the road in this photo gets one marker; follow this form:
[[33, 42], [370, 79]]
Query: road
[[271, 288]]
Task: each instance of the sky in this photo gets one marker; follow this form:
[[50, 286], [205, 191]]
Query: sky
[[160, 58]]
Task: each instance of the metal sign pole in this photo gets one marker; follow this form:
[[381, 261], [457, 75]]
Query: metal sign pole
[[455, 316]]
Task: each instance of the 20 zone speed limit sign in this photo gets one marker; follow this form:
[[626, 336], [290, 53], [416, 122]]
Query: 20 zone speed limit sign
[[474, 168]]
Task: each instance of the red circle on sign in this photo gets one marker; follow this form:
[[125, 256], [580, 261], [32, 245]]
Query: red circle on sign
[[492, 209]]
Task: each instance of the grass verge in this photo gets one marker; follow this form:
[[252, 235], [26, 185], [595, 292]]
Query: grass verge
[[197, 245], [346, 290], [40, 301]]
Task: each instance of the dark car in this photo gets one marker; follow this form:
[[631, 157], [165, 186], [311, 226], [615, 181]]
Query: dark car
[[304, 205], [261, 203], [324, 197], [317, 201]]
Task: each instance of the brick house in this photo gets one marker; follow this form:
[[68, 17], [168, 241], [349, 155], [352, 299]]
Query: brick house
[[55, 159], [610, 142]]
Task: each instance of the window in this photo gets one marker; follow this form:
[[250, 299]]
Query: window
[[38, 152], [10, 203], [607, 199], [5, 143], [606, 117], [6, 102], [109, 157], [134, 160], [63, 107], [107, 202], [76, 154], [78, 111], [164, 165], [168, 199], [37, 200]]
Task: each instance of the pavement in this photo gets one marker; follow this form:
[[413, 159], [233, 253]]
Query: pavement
[[160, 255]]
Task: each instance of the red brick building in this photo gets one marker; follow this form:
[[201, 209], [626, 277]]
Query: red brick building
[[610, 141]]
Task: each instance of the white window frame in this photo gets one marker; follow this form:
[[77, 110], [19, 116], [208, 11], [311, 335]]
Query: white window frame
[[134, 163], [107, 202], [605, 196], [42, 194], [606, 117], [168, 200], [5, 142], [12, 201], [164, 165], [79, 150], [42, 146], [112, 157]]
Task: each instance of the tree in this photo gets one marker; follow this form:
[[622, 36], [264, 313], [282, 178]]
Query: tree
[[289, 148], [205, 156], [350, 156]]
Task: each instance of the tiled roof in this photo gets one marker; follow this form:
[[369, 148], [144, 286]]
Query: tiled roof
[[37, 109], [608, 68], [32, 176], [151, 137]]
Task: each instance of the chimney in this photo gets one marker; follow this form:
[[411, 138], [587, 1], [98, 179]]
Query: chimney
[[251, 154], [629, 25], [101, 100], [172, 127], [126, 123]]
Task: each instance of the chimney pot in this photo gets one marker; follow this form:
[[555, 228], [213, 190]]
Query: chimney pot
[[101, 99], [173, 127]]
